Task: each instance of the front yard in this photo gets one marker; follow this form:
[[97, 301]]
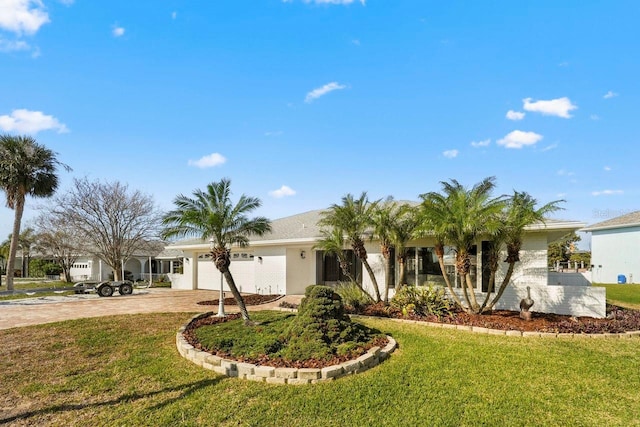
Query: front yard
[[125, 370]]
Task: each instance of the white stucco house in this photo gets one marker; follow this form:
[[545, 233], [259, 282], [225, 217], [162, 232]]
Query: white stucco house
[[615, 245], [286, 262]]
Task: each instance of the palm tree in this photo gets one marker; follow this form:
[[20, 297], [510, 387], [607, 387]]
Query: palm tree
[[354, 218], [332, 242], [211, 214], [457, 217], [393, 225], [26, 169], [520, 211], [401, 231]]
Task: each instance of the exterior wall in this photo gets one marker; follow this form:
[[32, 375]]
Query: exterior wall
[[300, 271], [376, 261], [615, 252], [532, 268]]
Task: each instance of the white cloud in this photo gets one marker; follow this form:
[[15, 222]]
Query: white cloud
[[363, 2], [22, 16], [450, 154], [559, 107], [321, 91], [483, 143], [561, 194], [209, 161], [594, 117], [519, 139], [563, 172], [355, 42], [174, 15], [67, 2], [282, 192], [25, 121], [118, 31], [607, 168], [563, 64], [610, 95], [13, 45], [515, 115], [549, 147], [606, 192]]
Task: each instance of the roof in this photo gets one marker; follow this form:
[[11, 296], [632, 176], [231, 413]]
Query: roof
[[629, 220], [303, 228]]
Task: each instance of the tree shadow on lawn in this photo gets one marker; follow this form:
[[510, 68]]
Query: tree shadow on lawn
[[186, 390]]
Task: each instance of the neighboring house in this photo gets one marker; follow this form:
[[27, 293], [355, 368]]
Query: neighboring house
[[154, 259], [285, 262], [614, 249]]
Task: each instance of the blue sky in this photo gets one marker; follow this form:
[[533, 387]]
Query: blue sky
[[300, 102]]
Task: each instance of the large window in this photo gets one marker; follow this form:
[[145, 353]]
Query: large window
[[423, 269]]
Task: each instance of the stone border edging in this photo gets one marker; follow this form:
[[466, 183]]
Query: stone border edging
[[269, 374], [511, 333]]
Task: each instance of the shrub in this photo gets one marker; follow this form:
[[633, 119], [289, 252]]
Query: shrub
[[422, 301], [322, 326], [352, 296]]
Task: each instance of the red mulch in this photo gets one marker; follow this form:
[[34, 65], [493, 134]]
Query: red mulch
[[618, 320], [252, 299]]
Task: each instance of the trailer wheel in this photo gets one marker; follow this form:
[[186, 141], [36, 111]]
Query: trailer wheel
[[105, 291], [125, 289]]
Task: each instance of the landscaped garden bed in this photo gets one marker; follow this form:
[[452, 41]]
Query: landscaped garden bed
[[251, 299], [618, 320]]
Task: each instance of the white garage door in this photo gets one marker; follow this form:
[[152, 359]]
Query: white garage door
[[242, 268]]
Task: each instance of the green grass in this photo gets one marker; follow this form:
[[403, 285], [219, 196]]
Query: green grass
[[125, 370], [622, 295]]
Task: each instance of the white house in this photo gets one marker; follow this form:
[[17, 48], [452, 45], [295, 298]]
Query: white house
[[615, 245], [286, 262]]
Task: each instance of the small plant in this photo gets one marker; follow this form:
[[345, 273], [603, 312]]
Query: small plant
[[422, 301], [352, 296]]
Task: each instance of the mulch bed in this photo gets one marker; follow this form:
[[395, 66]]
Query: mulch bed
[[252, 299], [618, 320]]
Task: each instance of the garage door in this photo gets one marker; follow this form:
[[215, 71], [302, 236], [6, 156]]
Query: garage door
[[242, 268]]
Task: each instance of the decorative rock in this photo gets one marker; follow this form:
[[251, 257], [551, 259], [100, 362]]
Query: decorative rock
[[462, 327], [298, 381], [530, 334], [368, 360], [548, 334], [275, 380], [255, 378], [514, 333], [350, 367], [480, 330], [213, 360], [497, 332]]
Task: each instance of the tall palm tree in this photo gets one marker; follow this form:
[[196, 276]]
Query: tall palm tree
[[400, 233], [211, 214], [393, 226], [458, 216], [332, 242], [520, 211], [354, 217], [26, 169]]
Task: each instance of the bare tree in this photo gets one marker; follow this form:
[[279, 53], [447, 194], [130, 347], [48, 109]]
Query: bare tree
[[59, 240], [114, 221]]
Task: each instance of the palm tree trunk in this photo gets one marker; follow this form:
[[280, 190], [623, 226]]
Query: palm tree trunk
[[372, 276], [387, 277], [492, 282], [236, 295], [474, 302], [503, 286], [447, 281], [19, 210]]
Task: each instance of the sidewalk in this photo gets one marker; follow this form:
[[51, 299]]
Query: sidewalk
[[25, 312]]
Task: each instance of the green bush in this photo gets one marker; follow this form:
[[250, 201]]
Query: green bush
[[352, 296], [321, 327], [422, 301]]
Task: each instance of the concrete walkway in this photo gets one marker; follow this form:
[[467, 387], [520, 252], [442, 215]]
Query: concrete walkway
[[34, 311]]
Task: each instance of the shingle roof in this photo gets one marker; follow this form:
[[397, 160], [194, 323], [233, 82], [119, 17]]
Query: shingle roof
[[628, 220]]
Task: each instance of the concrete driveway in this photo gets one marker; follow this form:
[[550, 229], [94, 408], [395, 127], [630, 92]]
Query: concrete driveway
[[34, 311]]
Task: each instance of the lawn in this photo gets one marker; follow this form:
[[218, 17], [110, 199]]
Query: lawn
[[125, 370], [37, 295], [622, 295]]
